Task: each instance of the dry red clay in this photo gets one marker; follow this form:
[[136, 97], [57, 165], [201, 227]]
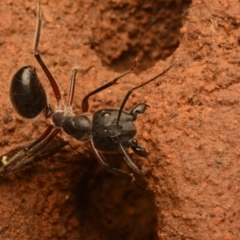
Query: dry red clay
[[191, 128]]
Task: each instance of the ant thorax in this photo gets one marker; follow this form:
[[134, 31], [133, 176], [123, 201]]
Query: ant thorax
[[77, 126]]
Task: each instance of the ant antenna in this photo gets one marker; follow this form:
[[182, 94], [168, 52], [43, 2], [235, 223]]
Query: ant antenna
[[139, 86]]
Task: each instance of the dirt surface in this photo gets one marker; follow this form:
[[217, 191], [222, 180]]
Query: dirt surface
[[191, 128]]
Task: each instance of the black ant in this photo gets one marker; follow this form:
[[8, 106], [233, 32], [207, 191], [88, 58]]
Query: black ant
[[109, 130]]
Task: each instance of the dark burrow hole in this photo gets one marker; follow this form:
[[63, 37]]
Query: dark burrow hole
[[146, 29], [109, 207], [106, 206]]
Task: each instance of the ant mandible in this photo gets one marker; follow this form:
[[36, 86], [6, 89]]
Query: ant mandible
[[109, 130]]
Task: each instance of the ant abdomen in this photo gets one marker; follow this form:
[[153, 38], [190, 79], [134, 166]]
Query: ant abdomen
[[27, 93]]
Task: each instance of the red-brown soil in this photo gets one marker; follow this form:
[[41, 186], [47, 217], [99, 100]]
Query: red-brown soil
[[191, 128]]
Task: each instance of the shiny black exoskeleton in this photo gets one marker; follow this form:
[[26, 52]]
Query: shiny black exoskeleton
[[109, 130], [107, 135], [77, 126], [27, 93]]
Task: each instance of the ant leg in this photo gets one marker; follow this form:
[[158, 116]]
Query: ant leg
[[139, 86], [18, 158], [42, 137], [45, 141], [35, 149], [40, 61], [85, 105], [27, 150], [15, 159], [115, 171], [72, 84], [128, 160]]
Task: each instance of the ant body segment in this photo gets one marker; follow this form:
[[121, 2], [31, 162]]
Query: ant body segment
[[109, 130]]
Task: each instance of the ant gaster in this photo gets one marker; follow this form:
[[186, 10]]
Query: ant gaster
[[109, 130]]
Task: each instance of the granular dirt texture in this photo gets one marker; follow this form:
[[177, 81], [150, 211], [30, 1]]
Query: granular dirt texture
[[191, 128]]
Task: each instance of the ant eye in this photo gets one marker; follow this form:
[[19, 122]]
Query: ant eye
[[105, 114]]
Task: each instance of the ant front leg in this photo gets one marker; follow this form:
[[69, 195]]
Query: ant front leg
[[129, 161], [115, 171]]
